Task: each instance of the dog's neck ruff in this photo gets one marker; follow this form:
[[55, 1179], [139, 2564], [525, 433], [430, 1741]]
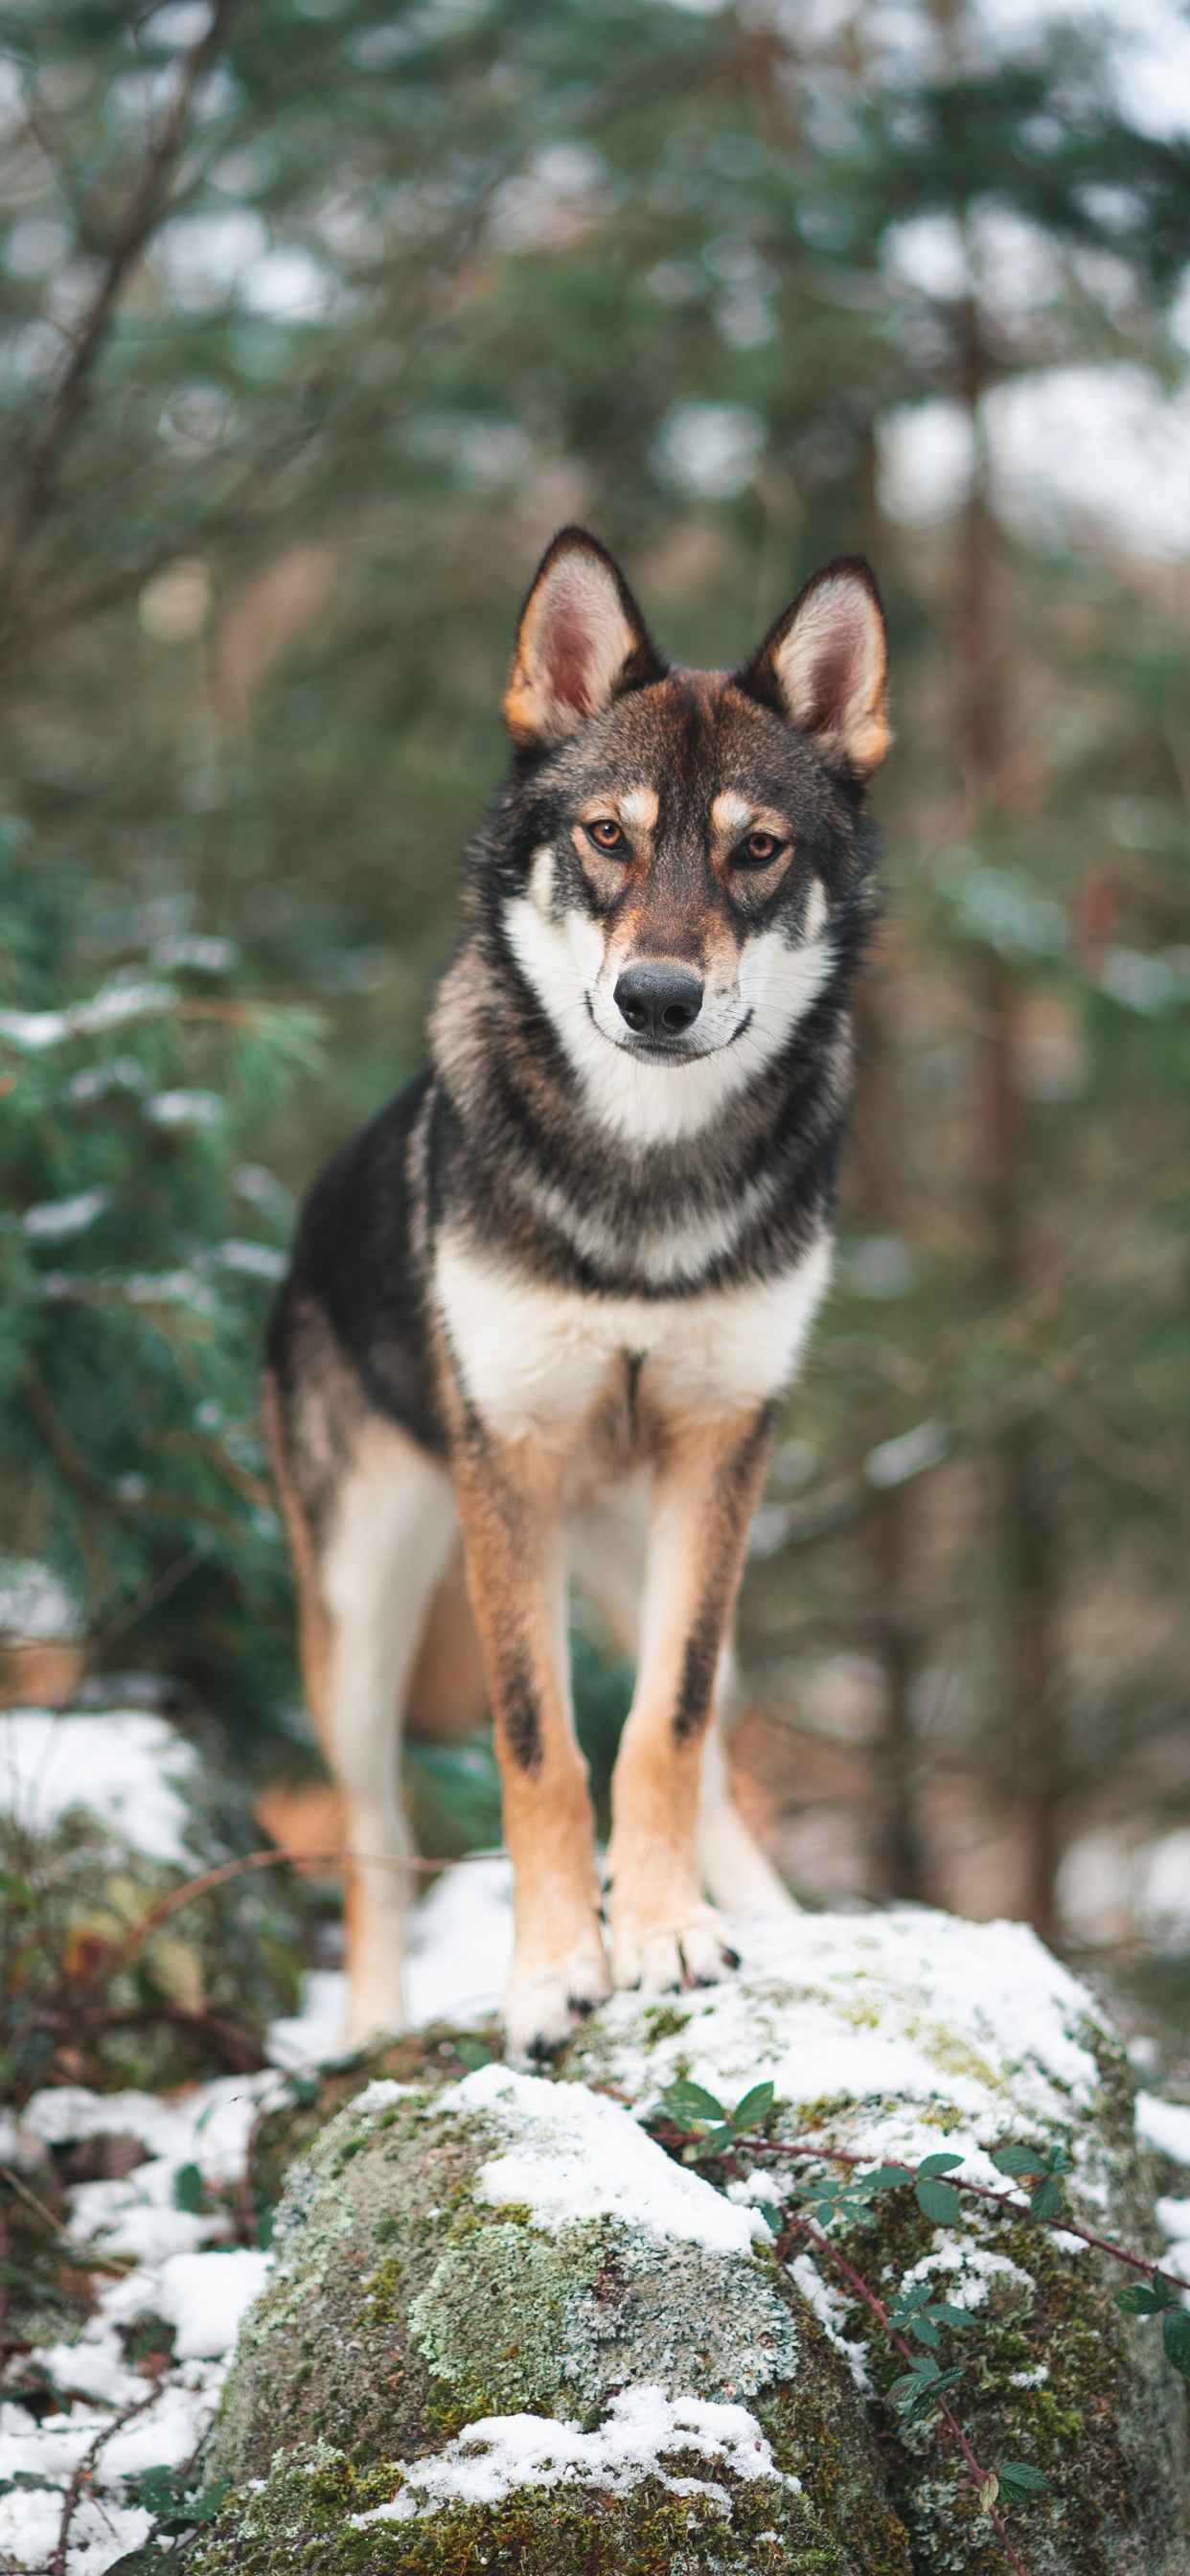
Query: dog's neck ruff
[[551, 1185]]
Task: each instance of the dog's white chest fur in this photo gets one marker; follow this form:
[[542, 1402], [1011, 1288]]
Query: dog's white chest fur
[[529, 1355]]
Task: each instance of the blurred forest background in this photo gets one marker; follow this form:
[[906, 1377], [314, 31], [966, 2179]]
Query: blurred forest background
[[317, 317]]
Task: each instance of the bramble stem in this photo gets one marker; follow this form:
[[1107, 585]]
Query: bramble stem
[[978, 2475]]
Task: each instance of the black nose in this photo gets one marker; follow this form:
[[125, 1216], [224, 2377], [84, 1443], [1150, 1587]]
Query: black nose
[[658, 1001]]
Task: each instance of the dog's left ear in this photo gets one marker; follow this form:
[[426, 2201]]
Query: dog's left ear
[[824, 666], [581, 642]]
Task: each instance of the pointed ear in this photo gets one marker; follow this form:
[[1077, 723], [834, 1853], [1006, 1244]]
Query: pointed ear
[[581, 642], [824, 664]]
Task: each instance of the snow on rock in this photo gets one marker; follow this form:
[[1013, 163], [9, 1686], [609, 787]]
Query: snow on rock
[[574, 2155], [899, 2016], [643, 2427], [1165, 2126], [129, 1769]]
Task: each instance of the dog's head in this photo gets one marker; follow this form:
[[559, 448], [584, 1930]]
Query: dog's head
[[684, 837]]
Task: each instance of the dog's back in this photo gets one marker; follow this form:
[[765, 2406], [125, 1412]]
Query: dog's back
[[559, 1283]]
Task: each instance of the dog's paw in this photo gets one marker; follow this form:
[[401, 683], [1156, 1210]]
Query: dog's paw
[[543, 2002], [689, 1950]]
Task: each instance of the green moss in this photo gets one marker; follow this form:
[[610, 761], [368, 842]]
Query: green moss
[[303, 2517]]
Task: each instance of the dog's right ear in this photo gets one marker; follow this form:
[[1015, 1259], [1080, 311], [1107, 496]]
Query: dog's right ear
[[581, 642]]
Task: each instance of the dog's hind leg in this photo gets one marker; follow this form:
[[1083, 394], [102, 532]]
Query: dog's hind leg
[[364, 1592], [736, 1873], [608, 1545]]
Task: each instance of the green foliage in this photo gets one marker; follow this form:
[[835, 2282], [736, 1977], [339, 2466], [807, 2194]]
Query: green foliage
[[692, 2107], [138, 1252], [830, 2205], [178, 2501]]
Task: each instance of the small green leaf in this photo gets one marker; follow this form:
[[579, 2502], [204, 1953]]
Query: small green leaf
[[1019, 2480], [1046, 2201], [474, 2053], [925, 2332], [1019, 2160], [1175, 2334], [1139, 2302], [210, 2500], [1059, 2161], [189, 2190], [755, 2107], [938, 2201], [716, 2140], [950, 2315], [686, 2102], [939, 2165], [15, 1892], [886, 2178]]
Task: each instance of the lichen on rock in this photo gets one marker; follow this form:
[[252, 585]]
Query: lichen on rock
[[505, 2328]]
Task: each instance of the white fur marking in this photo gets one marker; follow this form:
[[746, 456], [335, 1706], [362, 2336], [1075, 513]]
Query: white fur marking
[[568, 966], [531, 1356]]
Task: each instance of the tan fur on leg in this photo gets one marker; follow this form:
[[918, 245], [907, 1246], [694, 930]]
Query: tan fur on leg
[[510, 1504], [706, 1487]]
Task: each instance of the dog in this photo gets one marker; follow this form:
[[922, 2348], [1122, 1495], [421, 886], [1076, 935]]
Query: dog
[[542, 1309]]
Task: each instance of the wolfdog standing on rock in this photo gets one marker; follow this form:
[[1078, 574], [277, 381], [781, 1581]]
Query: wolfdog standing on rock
[[542, 1309]]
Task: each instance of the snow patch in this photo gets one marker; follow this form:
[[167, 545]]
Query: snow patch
[[1165, 2126], [206, 2296], [830, 2308], [573, 2155], [128, 1768], [888, 2014], [461, 1945], [643, 2428]]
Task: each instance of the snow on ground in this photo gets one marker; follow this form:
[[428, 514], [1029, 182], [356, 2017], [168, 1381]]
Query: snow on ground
[[126, 1767], [1164, 2125], [502, 2452], [180, 2269], [460, 1950]]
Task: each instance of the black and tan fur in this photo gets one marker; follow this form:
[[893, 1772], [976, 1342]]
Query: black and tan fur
[[542, 1308]]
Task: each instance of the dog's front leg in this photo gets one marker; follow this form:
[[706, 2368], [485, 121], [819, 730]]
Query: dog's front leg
[[510, 1504], [707, 1483]]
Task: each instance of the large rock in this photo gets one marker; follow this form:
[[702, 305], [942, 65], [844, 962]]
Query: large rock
[[505, 2329]]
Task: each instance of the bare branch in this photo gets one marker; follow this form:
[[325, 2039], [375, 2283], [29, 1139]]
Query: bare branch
[[140, 219]]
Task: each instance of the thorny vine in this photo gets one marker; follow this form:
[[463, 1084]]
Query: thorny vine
[[693, 2125]]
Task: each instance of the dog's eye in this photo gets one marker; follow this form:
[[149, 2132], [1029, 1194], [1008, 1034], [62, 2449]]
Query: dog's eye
[[605, 834], [758, 849]]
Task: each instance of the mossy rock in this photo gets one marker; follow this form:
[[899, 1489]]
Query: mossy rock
[[505, 2330]]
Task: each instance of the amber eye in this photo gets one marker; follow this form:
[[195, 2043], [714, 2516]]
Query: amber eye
[[759, 848], [605, 834]]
